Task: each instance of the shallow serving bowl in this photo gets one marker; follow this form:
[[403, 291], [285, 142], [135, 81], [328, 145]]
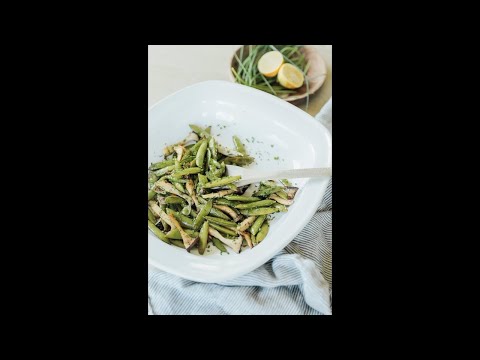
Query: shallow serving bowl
[[276, 133], [317, 72]]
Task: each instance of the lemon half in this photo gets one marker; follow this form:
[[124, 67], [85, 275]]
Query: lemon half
[[270, 63], [290, 77]]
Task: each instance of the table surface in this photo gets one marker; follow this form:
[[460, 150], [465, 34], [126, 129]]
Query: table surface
[[173, 67]]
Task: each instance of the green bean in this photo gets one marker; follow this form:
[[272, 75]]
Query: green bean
[[201, 155], [187, 210], [219, 172], [219, 245], [218, 214], [201, 215], [151, 217], [151, 194], [220, 221], [210, 176], [178, 243], [254, 239], [223, 229], [193, 213], [239, 160], [202, 200], [259, 211], [239, 146], [209, 157], [161, 164], [202, 244], [215, 163], [174, 179], [187, 158], [189, 171], [224, 201], [262, 233], [268, 190], [202, 179], [157, 232], [165, 170], [175, 234], [195, 147], [232, 187], [257, 224], [269, 183], [152, 178], [280, 207], [218, 194], [242, 198], [200, 131], [213, 148], [255, 204], [196, 128], [179, 187], [282, 194], [223, 181], [174, 200], [185, 220]]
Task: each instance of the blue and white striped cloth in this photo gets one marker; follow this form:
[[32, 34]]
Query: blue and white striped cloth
[[297, 281]]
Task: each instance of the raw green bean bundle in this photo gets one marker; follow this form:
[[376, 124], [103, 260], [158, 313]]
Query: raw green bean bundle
[[192, 201]]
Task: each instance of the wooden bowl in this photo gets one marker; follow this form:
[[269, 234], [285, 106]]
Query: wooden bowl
[[316, 74]]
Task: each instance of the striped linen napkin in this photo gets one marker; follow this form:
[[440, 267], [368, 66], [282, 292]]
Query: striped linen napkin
[[296, 281]]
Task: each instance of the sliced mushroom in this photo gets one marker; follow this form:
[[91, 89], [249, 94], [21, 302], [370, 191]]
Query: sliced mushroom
[[235, 244], [187, 239], [229, 211], [218, 194], [155, 208], [247, 237], [180, 150], [171, 189], [191, 191], [280, 207], [161, 199], [167, 150], [166, 218], [226, 151], [269, 183], [192, 137], [280, 200], [291, 191], [252, 188], [245, 224]]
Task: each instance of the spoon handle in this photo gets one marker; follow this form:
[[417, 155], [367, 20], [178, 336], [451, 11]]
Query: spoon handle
[[291, 174], [303, 173]]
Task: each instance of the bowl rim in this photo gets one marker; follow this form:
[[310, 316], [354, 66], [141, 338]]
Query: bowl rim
[[260, 259]]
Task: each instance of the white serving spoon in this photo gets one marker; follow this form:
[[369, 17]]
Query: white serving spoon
[[250, 176]]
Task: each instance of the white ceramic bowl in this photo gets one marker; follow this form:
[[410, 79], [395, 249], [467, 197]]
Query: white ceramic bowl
[[299, 141]]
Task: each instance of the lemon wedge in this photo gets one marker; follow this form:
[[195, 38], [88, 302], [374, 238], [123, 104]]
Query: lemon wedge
[[270, 63], [290, 77]]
